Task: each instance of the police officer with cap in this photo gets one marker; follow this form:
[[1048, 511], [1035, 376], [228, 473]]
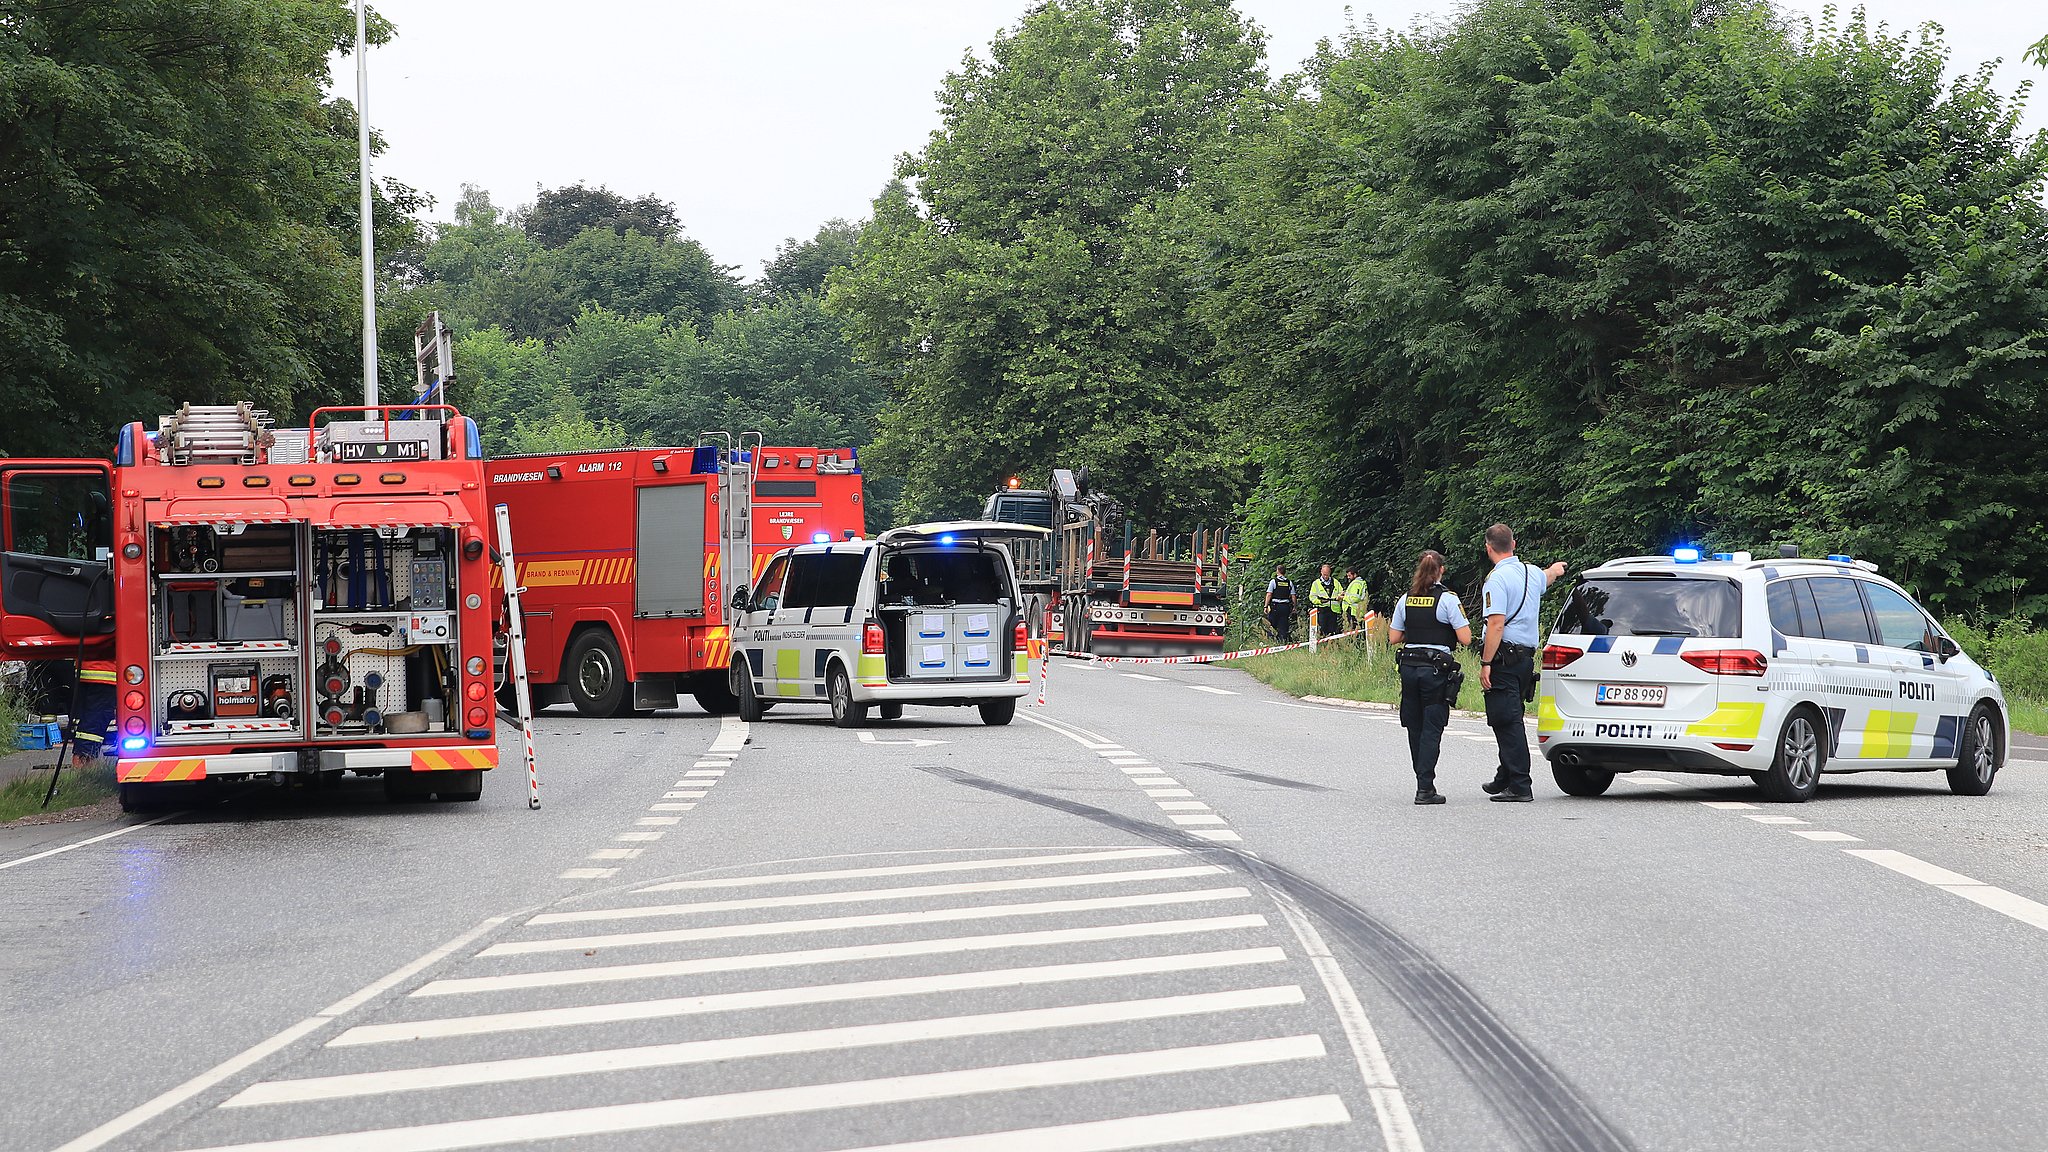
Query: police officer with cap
[[1507, 664], [1280, 603], [1427, 623]]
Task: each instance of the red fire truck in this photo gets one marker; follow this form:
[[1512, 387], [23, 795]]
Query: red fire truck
[[288, 604], [625, 556]]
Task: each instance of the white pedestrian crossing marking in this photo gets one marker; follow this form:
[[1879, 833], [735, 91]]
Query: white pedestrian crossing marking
[[615, 1118], [739, 1047], [847, 954], [1135, 1132]]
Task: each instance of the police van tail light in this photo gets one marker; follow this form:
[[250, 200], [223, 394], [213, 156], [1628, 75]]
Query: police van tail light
[[1556, 656], [1020, 636], [871, 639], [1728, 662]]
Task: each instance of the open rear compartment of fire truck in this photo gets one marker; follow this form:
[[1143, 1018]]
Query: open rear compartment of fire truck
[[317, 630]]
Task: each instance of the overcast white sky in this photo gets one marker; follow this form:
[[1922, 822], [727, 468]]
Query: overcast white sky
[[760, 119]]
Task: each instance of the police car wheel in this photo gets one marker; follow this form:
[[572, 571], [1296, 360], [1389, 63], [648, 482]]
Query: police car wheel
[[845, 713], [1979, 755], [597, 676], [1795, 771], [743, 691], [1573, 780]]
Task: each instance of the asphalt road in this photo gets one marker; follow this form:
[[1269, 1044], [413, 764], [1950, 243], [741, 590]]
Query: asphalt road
[[1172, 908]]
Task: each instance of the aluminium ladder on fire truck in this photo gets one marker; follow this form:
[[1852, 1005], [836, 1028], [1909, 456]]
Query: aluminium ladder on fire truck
[[224, 434], [515, 655]]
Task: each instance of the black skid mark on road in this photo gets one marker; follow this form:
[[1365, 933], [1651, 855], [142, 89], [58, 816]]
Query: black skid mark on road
[[1543, 1108], [1261, 777]]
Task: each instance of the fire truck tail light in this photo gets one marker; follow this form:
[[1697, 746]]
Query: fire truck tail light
[[476, 690], [871, 640], [131, 550], [474, 666], [134, 674], [478, 717], [133, 701], [134, 743], [135, 726]]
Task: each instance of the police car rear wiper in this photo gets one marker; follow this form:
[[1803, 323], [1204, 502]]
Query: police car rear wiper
[[1661, 632]]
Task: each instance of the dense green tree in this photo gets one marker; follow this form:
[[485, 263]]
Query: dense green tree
[[1018, 301], [177, 213], [1627, 273], [559, 215], [802, 266]]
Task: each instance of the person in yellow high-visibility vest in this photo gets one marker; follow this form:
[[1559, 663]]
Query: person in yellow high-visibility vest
[[94, 725], [1355, 600], [1325, 599]]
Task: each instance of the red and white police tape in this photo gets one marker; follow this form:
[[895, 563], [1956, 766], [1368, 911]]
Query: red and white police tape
[[1212, 657]]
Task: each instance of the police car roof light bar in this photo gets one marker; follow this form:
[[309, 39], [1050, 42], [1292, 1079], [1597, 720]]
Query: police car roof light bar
[[1840, 559], [1686, 555]]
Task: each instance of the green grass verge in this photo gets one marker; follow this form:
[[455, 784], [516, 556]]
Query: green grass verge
[[1347, 670], [75, 789]]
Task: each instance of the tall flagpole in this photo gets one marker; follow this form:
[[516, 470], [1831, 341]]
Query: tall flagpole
[[369, 242]]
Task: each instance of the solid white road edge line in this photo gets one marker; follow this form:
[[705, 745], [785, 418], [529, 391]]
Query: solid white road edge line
[[850, 953], [770, 1044], [1397, 1125], [653, 1114], [143, 1113], [914, 869], [61, 849], [832, 993], [1146, 1131]]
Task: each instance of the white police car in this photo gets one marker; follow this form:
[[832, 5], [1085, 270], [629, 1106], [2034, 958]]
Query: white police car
[[1778, 670]]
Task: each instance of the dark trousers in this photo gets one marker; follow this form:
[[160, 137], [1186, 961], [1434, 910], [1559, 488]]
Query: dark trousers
[[1425, 712], [1513, 675], [1327, 623], [1281, 617]]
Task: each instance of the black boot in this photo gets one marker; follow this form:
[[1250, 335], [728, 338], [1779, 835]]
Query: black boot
[[1495, 786], [1428, 796]]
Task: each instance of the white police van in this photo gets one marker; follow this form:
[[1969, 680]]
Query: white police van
[[928, 614], [1778, 670]]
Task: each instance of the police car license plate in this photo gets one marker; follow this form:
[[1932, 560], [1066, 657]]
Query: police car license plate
[[1635, 695]]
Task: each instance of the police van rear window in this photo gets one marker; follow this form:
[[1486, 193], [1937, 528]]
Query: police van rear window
[[1681, 606]]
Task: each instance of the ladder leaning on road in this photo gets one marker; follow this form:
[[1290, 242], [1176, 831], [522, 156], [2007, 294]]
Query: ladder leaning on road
[[515, 655]]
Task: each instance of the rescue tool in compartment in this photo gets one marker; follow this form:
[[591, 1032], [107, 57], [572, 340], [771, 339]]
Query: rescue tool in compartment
[[628, 557], [1096, 587], [284, 603]]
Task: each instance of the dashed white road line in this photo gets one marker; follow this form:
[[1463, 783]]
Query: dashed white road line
[[1826, 836], [1210, 690], [1997, 899], [1142, 676], [590, 873]]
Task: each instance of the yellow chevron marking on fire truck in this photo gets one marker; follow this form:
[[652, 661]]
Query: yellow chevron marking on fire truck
[[1738, 721], [453, 759], [160, 771]]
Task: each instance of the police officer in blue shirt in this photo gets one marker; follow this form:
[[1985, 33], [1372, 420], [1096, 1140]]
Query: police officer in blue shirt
[[1507, 663], [1430, 626]]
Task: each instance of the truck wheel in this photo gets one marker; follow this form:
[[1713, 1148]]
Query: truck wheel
[[402, 786], [1802, 753], [141, 798], [459, 786], [713, 694], [743, 690], [597, 675], [996, 713], [1979, 755], [845, 713]]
